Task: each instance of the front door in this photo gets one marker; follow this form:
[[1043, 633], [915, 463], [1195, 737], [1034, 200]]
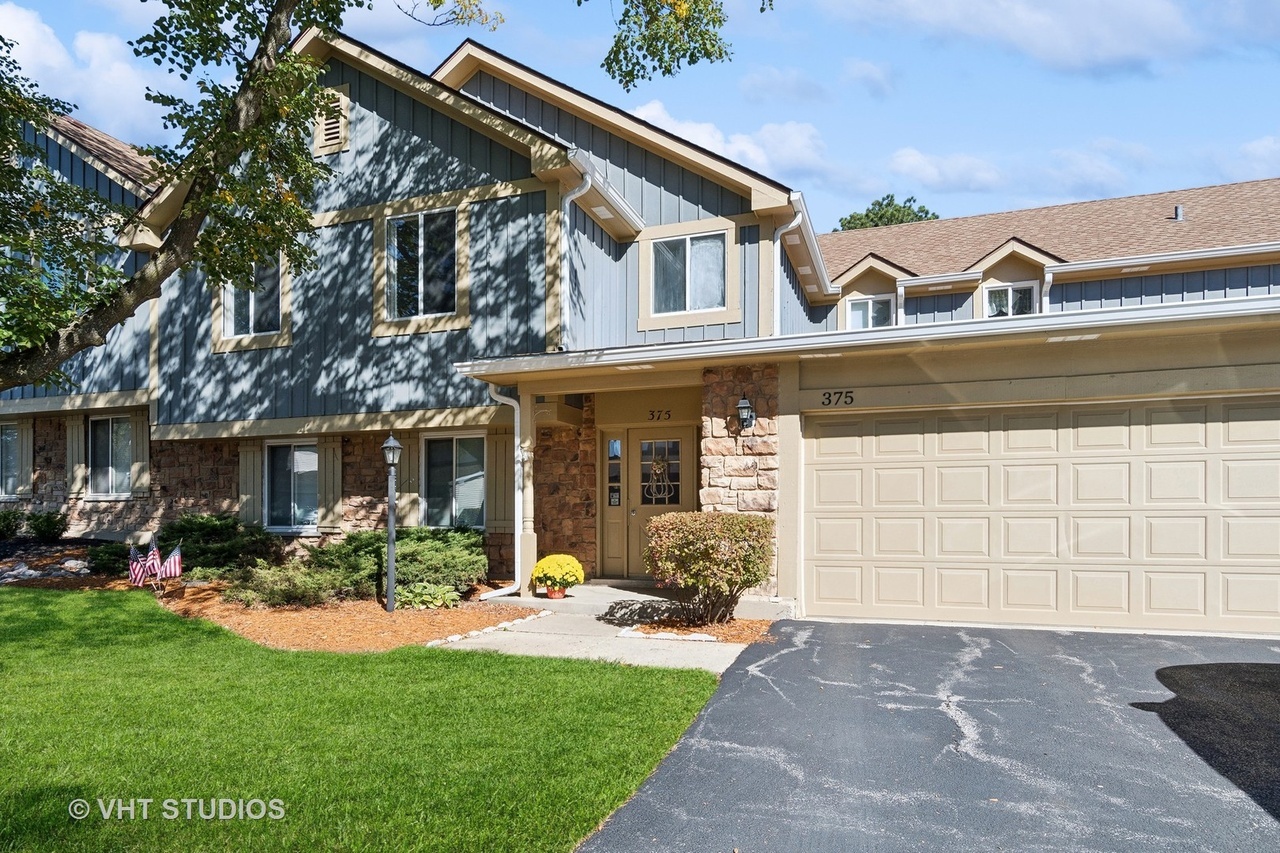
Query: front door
[[648, 471]]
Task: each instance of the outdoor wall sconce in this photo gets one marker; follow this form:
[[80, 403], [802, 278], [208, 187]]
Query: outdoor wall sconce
[[746, 414]]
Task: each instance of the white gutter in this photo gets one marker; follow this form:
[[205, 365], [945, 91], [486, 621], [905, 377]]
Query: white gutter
[[777, 268], [945, 278], [1099, 320], [518, 520], [582, 163]]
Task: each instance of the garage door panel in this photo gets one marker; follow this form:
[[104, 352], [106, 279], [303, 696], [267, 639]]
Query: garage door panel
[[1100, 431], [1176, 428], [899, 586], [963, 587], [1105, 482], [1150, 515], [964, 484], [1175, 593]]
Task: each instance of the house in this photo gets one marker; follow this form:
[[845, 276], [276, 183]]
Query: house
[[574, 321]]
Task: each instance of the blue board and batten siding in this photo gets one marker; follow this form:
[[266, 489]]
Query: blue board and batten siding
[[661, 191], [796, 315], [1169, 288], [122, 363], [937, 308], [403, 148]]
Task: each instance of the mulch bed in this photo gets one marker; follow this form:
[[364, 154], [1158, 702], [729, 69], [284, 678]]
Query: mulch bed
[[343, 626]]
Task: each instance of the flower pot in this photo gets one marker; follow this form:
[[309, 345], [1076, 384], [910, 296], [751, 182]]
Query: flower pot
[[555, 592]]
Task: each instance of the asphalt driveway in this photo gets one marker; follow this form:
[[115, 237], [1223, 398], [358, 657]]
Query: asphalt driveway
[[848, 737]]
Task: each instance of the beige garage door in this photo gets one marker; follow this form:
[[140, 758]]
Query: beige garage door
[[1138, 516]]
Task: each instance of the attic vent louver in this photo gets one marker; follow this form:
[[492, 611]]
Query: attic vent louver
[[331, 130], [1177, 213]]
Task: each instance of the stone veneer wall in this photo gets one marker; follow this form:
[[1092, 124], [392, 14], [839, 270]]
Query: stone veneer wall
[[740, 467], [186, 476], [364, 482], [564, 489]]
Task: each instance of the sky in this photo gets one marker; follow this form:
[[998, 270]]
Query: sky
[[970, 106]]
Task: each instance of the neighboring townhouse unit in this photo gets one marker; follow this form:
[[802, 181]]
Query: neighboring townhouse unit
[[574, 321]]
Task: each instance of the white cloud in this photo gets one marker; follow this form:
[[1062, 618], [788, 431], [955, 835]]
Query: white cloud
[[792, 152], [1069, 35], [875, 78], [787, 85], [946, 172], [1257, 158], [1084, 174], [98, 74]]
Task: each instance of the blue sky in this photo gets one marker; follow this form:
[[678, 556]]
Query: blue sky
[[972, 106]]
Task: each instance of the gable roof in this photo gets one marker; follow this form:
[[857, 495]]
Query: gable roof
[[765, 194], [1216, 216], [119, 160]]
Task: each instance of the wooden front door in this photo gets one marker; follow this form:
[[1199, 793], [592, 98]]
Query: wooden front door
[[648, 471]]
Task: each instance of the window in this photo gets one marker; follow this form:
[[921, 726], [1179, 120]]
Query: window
[[8, 460], [253, 312], [875, 313], [293, 482], [1011, 300], [110, 456], [422, 264], [689, 274], [453, 488]]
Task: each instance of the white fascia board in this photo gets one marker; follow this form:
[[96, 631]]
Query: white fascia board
[[1165, 258], [811, 243], [942, 278], [819, 343]]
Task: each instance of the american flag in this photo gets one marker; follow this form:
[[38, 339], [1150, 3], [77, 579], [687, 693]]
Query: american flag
[[172, 565], [151, 566], [137, 567]]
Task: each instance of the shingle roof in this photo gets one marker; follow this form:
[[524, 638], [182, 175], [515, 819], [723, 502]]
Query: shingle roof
[[111, 152], [1217, 216]]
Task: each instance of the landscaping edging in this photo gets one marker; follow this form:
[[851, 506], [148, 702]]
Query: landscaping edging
[[501, 626]]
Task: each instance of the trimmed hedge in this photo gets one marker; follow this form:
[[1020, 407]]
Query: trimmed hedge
[[213, 546], [11, 521], [712, 558], [47, 526], [451, 557]]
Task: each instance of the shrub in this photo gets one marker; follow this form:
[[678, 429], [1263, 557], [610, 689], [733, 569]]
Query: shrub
[[47, 526], [291, 583], [217, 545], [427, 596], [11, 523], [453, 557], [711, 558], [111, 558], [557, 571]]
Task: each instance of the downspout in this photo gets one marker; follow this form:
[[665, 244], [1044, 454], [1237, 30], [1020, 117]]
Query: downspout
[[518, 521], [777, 268], [579, 160], [1044, 292]]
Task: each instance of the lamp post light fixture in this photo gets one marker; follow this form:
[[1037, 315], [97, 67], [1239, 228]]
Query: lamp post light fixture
[[746, 414], [391, 453]]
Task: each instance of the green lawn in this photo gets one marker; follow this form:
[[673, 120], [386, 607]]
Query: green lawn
[[106, 695]]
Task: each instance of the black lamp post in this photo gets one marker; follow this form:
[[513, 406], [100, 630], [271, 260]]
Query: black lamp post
[[746, 414], [391, 452]]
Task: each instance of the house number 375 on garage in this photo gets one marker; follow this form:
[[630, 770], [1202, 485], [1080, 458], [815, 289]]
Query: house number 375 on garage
[[837, 398]]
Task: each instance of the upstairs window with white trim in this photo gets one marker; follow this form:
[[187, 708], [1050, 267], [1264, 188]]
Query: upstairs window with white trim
[[110, 457], [1011, 300], [873, 313], [422, 269], [8, 460], [453, 485], [689, 273], [253, 312], [292, 487]]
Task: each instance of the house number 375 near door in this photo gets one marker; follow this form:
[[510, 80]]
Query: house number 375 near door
[[659, 414]]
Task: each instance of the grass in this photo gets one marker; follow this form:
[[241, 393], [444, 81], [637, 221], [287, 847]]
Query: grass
[[107, 695]]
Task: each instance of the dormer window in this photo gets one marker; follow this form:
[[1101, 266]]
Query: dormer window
[[1011, 300], [873, 313]]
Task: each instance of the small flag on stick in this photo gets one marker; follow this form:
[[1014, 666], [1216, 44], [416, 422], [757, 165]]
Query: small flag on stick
[[137, 568], [172, 565]]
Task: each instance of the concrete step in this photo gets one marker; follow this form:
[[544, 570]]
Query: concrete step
[[634, 602]]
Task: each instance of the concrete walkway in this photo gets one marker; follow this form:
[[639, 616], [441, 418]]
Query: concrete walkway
[[591, 620]]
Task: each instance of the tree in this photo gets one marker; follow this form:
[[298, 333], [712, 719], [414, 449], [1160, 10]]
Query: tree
[[887, 211], [242, 167]]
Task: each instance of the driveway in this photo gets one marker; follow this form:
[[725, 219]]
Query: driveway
[[847, 737]]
